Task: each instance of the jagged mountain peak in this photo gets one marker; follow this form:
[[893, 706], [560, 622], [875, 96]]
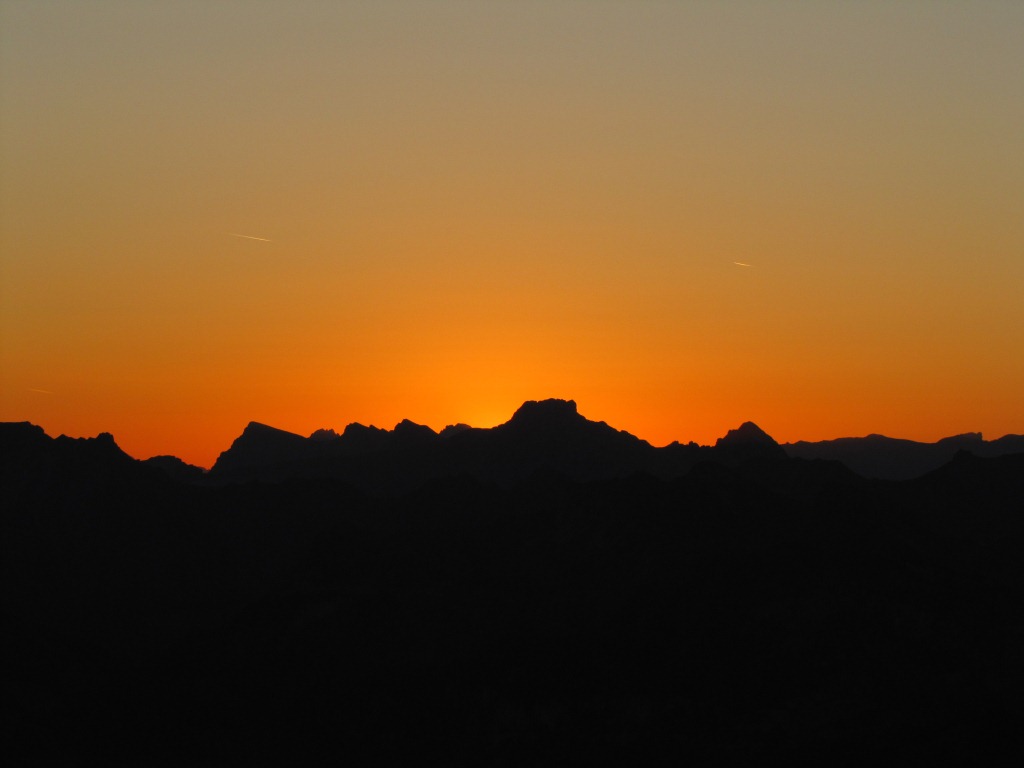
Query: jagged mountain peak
[[101, 445], [748, 433], [546, 411], [406, 426], [324, 434], [355, 428], [454, 429]]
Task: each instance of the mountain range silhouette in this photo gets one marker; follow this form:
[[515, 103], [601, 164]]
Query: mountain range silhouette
[[551, 435], [547, 591], [546, 435]]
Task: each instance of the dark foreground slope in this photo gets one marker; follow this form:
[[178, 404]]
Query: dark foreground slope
[[775, 606]]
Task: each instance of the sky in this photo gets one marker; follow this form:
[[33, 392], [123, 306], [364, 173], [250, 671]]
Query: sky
[[683, 215]]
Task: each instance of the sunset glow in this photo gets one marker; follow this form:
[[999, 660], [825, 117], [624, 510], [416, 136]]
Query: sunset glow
[[681, 215]]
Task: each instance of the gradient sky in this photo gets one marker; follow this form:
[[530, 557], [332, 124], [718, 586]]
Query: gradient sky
[[465, 205]]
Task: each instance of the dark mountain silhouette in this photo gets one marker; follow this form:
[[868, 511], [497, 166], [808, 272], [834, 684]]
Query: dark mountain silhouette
[[25, 447], [893, 459], [260, 446], [542, 436], [747, 442], [747, 434], [550, 436], [324, 434], [548, 591], [546, 436], [454, 429]]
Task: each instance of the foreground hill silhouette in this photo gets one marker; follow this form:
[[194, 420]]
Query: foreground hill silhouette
[[567, 594]]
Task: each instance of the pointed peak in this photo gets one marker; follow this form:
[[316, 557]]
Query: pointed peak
[[407, 424], [257, 427], [258, 431], [748, 433]]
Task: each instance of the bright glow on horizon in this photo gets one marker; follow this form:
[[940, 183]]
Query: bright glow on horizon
[[490, 203]]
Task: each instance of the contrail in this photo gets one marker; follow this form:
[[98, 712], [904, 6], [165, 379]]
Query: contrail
[[740, 264], [250, 237], [44, 391]]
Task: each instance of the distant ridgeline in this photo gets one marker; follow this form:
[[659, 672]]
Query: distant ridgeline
[[544, 436], [549, 591]]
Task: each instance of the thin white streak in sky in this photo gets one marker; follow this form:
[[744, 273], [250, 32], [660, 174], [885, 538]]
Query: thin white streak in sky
[[43, 391], [740, 264], [250, 237]]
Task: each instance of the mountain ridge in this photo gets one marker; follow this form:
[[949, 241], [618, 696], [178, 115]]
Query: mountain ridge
[[541, 435], [890, 458]]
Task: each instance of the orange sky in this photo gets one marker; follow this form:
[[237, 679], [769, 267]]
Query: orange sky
[[468, 205]]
